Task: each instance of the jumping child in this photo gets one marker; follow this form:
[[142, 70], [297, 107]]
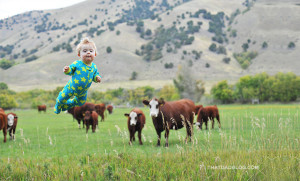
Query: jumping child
[[83, 72]]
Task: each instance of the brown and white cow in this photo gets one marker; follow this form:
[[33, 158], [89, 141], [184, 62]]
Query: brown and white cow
[[91, 118], [135, 123], [42, 108], [208, 113], [3, 124], [100, 109], [12, 121], [171, 115], [109, 108]]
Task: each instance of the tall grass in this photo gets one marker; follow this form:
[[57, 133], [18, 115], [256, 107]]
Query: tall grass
[[255, 143]]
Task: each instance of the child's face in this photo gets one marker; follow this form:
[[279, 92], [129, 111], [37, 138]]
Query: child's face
[[87, 53]]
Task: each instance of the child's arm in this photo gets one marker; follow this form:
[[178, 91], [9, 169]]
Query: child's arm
[[69, 70], [96, 77]]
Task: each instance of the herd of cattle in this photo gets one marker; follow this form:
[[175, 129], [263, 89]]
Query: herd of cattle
[[165, 116]]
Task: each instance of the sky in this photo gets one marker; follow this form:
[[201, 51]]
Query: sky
[[10, 8]]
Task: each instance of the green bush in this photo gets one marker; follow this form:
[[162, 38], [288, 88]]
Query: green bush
[[6, 64]]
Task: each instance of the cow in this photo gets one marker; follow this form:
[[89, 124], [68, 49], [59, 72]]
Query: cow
[[208, 113], [171, 115], [42, 108], [91, 118], [109, 109], [12, 121], [78, 112], [197, 108], [135, 122], [3, 124], [100, 109]]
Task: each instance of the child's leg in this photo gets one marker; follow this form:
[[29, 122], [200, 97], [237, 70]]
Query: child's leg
[[62, 99], [78, 100]]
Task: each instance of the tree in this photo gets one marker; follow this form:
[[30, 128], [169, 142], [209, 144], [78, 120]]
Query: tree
[[213, 47], [169, 93], [3, 86], [291, 45], [6, 64], [223, 92], [7, 101], [264, 45], [108, 49], [245, 47], [187, 85]]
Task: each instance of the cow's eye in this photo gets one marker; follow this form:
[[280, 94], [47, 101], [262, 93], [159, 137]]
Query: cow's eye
[[150, 106], [156, 106]]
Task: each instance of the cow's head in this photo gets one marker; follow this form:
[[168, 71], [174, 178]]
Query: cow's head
[[87, 115], [154, 105], [10, 120], [133, 116]]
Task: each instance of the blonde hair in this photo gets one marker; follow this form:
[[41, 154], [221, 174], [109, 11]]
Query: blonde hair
[[85, 41]]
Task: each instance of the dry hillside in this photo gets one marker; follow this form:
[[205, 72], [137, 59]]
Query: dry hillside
[[114, 23]]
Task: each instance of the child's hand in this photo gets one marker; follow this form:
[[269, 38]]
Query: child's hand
[[98, 79], [66, 69]]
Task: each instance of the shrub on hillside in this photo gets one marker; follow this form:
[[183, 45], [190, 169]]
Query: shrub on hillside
[[6, 64]]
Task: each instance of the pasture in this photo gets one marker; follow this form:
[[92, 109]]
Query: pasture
[[255, 142]]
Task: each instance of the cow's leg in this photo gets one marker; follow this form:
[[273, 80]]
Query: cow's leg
[[201, 123], [212, 122], [78, 121], [131, 135], [218, 118], [4, 134], [140, 137], [167, 137], [87, 127], [158, 138], [206, 124], [14, 130], [189, 132]]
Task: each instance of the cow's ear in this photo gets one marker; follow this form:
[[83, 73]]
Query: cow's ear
[[146, 102], [161, 102], [126, 114]]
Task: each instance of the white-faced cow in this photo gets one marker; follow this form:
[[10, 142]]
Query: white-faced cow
[[3, 124], [135, 122], [171, 115], [12, 121]]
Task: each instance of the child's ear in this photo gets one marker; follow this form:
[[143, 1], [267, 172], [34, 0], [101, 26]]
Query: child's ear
[[95, 54], [78, 54]]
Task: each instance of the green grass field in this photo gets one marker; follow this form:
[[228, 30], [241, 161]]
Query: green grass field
[[258, 142]]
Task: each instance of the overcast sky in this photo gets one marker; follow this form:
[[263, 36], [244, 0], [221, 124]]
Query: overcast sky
[[10, 8]]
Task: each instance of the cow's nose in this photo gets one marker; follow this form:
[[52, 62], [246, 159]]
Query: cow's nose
[[153, 114]]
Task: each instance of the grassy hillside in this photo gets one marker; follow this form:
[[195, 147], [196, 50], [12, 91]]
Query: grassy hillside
[[114, 24]]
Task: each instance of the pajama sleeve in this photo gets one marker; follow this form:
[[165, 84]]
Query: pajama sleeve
[[95, 73], [72, 68]]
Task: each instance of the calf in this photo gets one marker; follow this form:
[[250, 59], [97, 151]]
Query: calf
[[3, 124], [12, 121], [100, 109], [171, 115], [135, 122], [91, 118], [78, 112], [42, 108], [208, 113]]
